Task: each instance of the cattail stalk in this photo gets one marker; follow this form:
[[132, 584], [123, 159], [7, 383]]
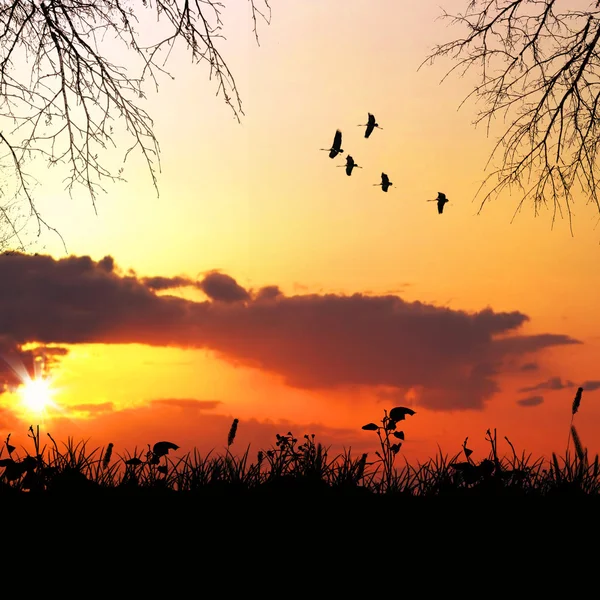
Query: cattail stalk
[[232, 432], [574, 409], [107, 456]]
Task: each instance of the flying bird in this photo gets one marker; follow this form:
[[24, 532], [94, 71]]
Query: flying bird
[[371, 124], [336, 147], [385, 182], [441, 200], [350, 164]]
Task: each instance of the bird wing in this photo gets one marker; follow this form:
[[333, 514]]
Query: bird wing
[[385, 178], [371, 119], [441, 196], [337, 140]]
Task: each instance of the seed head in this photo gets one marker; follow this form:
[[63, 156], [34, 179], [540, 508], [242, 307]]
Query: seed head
[[577, 400], [232, 432]]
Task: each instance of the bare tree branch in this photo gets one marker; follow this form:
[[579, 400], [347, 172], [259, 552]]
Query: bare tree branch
[[539, 67], [63, 101]]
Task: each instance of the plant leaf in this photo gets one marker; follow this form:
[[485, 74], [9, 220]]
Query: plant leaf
[[399, 434], [162, 448], [370, 427], [399, 413]]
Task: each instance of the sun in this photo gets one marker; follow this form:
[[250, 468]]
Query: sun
[[36, 395]]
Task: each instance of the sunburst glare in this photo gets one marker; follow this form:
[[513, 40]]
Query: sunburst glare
[[36, 395]]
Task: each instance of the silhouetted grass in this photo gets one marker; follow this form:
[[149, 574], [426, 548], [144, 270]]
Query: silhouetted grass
[[294, 467]]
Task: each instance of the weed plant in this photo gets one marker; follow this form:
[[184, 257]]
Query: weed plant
[[298, 466]]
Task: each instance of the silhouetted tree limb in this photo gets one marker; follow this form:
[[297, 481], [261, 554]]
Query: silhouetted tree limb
[[539, 68], [63, 100]]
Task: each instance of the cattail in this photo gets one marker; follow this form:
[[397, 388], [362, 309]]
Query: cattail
[[232, 432], [577, 400], [362, 463], [577, 443], [107, 456]]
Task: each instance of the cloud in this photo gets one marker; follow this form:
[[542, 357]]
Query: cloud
[[590, 385], [268, 292], [136, 427], [453, 358], [223, 288], [554, 383], [92, 409], [530, 366], [188, 403], [166, 283], [531, 401]]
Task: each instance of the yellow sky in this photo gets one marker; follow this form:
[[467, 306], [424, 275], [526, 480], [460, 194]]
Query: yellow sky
[[260, 202]]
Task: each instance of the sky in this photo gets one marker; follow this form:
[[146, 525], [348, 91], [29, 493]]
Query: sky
[[263, 284]]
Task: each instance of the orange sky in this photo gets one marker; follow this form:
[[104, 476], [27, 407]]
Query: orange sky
[[377, 301]]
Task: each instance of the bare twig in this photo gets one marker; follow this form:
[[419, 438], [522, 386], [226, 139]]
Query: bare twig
[[539, 68], [65, 100]]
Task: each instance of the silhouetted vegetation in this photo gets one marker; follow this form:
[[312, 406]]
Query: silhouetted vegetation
[[295, 466]]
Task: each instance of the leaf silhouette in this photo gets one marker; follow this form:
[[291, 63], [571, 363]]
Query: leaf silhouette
[[162, 469], [399, 413], [468, 452], [14, 471], [399, 434], [469, 472], [462, 466], [6, 462], [135, 461], [370, 427], [391, 425], [395, 448], [486, 468], [162, 448], [29, 463]]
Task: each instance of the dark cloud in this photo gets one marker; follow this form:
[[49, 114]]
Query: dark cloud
[[590, 385], [188, 403], [223, 288], [452, 357], [166, 283], [531, 401], [268, 292], [530, 366], [554, 383], [107, 264]]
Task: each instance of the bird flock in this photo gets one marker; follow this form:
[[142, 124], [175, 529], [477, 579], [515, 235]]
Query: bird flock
[[371, 124]]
